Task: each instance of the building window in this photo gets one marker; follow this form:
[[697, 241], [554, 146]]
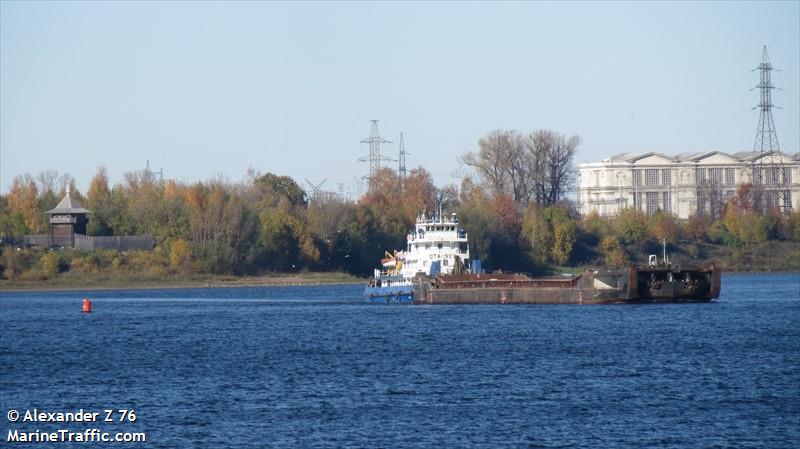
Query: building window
[[700, 176], [757, 176], [701, 202], [637, 177], [652, 202], [715, 203], [730, 176], [787, 201], [666, 177], [729, 196], [771, 176], [667, 205], [651, 177], [637, 200], [716, 175], [773, 199]]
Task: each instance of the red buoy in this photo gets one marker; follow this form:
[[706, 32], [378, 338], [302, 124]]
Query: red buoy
[[87, 305]]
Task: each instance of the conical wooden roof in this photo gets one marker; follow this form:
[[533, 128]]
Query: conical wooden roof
[[68, 205]]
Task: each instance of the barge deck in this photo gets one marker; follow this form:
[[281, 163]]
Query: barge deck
[[628, 285]]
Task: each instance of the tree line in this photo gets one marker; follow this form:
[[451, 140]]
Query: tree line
[[514, 205]]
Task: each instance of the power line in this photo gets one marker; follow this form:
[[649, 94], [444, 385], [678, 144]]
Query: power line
[[374, 158], [769, 176]]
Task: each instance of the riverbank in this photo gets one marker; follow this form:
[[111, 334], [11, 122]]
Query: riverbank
[[127, 281], [765, 257], [70, 270]]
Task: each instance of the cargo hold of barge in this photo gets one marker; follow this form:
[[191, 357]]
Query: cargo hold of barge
[[594, 286]]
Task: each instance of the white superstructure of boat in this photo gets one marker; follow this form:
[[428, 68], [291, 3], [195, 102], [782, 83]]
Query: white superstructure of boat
[[436, 243]]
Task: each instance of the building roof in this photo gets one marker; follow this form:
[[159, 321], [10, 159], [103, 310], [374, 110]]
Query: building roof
[[633, 157], [742, 156], [68, 205]]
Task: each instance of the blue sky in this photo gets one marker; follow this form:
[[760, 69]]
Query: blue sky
[[210, 89]]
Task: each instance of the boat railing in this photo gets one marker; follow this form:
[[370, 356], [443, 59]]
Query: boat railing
[[422, 219], [437, 235]]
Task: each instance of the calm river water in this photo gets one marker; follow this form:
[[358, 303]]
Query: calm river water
[[308, 367]]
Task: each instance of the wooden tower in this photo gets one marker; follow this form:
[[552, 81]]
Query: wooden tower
[[67, 219]]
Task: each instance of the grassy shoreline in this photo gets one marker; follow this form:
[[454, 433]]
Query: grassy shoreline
[[137, 283], [766, 257], [274, 279]]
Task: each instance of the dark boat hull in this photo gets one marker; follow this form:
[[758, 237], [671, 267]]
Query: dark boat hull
[[631, 285], [388, 295]]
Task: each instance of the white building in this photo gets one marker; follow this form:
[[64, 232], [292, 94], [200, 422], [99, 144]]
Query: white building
[[686, 183]]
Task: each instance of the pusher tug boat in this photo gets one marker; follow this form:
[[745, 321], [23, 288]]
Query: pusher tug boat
[[436, 246]]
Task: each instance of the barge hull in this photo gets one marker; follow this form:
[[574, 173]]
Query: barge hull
[[626, 286]]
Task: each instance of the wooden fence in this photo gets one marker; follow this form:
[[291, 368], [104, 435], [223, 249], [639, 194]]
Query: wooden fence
[[92, 243]]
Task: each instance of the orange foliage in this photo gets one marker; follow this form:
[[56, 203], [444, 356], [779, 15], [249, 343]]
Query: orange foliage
[[506, 214], [22, 198], [696, 227], [419, 193], [664, 227]]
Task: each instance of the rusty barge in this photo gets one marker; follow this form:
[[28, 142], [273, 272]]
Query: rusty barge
[[650, 284]]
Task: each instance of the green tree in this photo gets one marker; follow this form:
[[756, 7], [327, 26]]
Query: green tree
[[748, 226], [272, 189], [120, 218], [22, 199], [595, 225], [278, 240], [794, 225], [474, 215], [100, 203], [13, 262], [630, 225], [418, 195], [563, 234], [180, 254], [537, 167], [697, 227], [53, 263], [613, 252], [352, 252], [539, 233], [12, 224], [662, 226], [551, 232]]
